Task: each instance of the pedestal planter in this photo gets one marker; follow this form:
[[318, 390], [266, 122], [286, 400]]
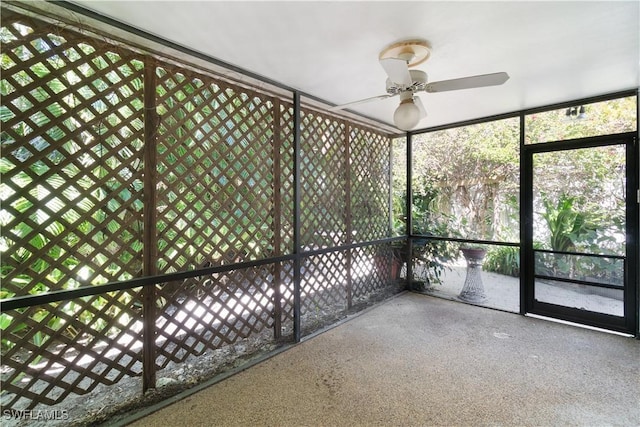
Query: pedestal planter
[[473, 289]]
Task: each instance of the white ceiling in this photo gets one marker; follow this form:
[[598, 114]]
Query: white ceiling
[[553, 51]]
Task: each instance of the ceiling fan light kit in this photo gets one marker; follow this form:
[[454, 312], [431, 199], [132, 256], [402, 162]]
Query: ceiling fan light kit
[[407, 115], [396, 60]]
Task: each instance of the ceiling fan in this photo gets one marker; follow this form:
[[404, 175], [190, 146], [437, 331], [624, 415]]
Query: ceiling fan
[[396, 61]]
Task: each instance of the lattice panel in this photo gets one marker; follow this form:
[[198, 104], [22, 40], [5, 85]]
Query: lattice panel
[[207, 313], [284, 159], [323, 181], [370, 270], [370, 180], [72, 121], [215, 170], [323, 288], [51, 351]]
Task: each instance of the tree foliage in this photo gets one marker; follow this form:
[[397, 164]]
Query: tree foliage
[[475, 169], [466, 184]]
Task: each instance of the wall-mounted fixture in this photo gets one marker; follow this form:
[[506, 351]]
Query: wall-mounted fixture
[[576, 113]]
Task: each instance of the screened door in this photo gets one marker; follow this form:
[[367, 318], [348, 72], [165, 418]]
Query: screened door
[[578, 238]]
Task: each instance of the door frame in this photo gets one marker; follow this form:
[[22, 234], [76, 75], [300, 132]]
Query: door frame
[[628, 323]]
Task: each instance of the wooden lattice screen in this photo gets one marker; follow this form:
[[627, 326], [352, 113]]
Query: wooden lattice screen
[[323, 181], [76, 141], [369, 184], [370, 271], [345, 174], [215, 172], [72, 123]]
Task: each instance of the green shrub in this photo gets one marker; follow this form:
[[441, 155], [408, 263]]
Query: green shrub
[[503, 260]]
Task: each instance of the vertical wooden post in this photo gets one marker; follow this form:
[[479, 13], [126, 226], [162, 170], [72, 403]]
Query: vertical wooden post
[[277, 219], [349, 213], [149, 236]]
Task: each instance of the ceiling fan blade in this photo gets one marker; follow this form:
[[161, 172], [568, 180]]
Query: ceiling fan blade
[[493, 79], [418, 102], [397, 70], [362, 101]]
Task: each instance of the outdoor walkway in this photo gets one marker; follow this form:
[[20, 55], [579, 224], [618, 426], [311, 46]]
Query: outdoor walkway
[[420, 360], [503, 292]]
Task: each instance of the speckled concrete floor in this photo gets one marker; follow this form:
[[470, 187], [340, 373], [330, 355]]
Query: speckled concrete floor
[[419, 360]]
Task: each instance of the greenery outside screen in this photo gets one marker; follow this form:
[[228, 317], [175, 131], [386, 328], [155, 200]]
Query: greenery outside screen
[[466, 182], [581, 121]]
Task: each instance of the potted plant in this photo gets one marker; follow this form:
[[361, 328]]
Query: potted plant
[[430, 257], [400, 256]]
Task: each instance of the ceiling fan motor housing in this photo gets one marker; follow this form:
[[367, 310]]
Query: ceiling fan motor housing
[[419, 82]]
